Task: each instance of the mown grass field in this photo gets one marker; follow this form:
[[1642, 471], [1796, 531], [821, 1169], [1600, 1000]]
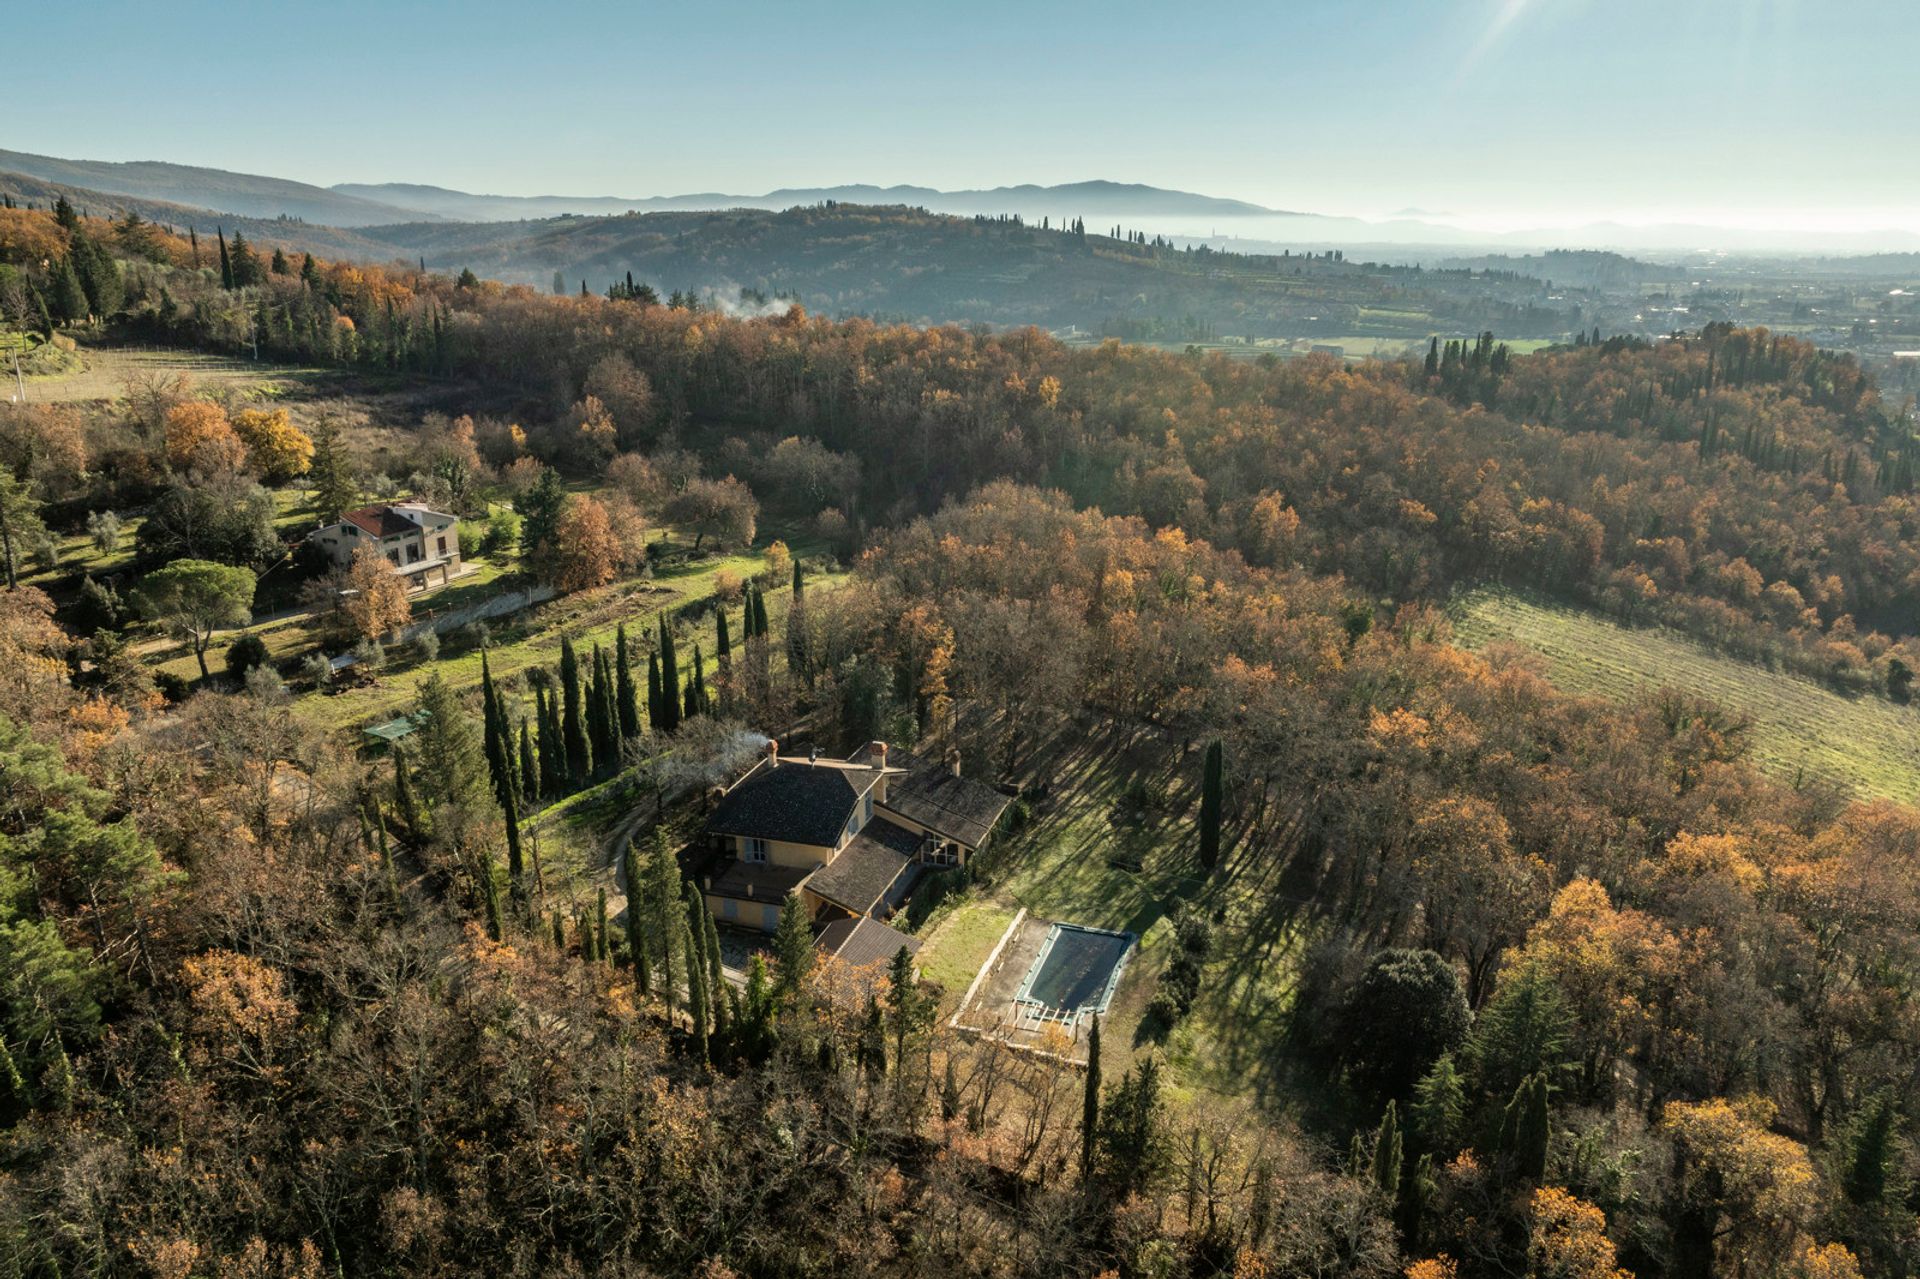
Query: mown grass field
[[102, 373], [1801, 729]]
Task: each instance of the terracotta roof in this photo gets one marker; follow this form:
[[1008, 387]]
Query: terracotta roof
[[864, 941], [795, 803], [868, 866], [947, 805]]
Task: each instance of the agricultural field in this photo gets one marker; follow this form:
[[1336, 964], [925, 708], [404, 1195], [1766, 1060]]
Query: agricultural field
[[102, 373], [1801, 729]]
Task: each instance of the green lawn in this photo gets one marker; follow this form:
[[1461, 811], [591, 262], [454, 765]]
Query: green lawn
[[1093, 856], [1800, 728], [101, 373], [533, 638]]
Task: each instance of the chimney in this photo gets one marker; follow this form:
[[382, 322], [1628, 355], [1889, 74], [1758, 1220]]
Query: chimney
[[773, 753], [953, 760], [749, 890], [878, 750], [706, 882]]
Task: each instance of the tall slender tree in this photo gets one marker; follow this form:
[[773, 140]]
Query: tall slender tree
[[656, 717], [1090, 1103], [1211, 785], [624, 691], [669, 679], [573, 728]]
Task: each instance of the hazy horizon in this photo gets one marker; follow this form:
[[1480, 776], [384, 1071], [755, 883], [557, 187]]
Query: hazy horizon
[[1498, 113]]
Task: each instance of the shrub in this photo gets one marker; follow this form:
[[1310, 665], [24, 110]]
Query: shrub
[[476, 635], [425, 645], [244, 654], [369, 655], [317, 670], [172, 687]]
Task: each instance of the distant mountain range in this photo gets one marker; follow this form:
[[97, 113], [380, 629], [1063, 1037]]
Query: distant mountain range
[[1184, 216], [1098, 200]]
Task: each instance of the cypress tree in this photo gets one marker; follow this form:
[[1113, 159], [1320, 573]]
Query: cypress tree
[[193, 241], [723, 660], [1210, 788], [499, 758], [799, 581], [663, 900], [404, 802], [573, 731], [610, 714], [1525, 1130], [516, 866], [1090, 1104], [226, 263], [1868, 1153], [692, 707], [699, 688], [559, 932], [1387, 1154], [636, 923], [624, 689], [655, 716], [595, 722], [552, 757], [792, 947], [496, 926], [699, 999], [760, 613], [669, 679], [529, 771]]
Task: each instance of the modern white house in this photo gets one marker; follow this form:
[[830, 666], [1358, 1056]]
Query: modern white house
[[422, 544]]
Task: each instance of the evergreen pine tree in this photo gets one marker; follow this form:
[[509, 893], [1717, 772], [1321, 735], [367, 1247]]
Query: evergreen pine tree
[[573, 728], [1211, 784], [1438, 1114], [623, 674], [330, 479], [494, 722], [310, 272], [67, 300]]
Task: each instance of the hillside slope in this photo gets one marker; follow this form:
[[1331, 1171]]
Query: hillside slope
[[246, 194]]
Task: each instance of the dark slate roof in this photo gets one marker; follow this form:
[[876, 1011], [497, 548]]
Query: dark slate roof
[[950, 806], [861, 941], [381, 520], [757, 881], [867, 867], [795, 802]]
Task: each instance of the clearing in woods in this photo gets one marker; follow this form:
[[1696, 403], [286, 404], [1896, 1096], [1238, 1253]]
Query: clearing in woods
[[1800, 728]]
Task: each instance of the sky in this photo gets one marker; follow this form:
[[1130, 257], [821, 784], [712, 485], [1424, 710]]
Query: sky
[[1493, 113]]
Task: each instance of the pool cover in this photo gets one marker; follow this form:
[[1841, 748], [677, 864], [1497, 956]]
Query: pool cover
[[1076, 970]]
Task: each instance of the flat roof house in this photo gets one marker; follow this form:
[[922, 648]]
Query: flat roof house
[[422, 544], [852, 836]]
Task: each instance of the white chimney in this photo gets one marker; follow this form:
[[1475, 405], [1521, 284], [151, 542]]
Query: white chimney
[[953, 760], [773, 753]]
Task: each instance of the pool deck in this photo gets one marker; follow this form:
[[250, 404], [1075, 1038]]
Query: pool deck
[[994, 1010]]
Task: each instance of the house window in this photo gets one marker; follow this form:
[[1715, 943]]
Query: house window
[[729, 909], [941, 854], [395, 557], [413, 553], [753, 850], [440, 546], [770, 918]]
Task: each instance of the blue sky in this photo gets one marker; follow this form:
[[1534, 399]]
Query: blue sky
[[1493, 110]]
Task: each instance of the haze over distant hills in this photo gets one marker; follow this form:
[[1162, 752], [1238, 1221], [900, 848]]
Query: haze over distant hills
[[1181, 215]]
